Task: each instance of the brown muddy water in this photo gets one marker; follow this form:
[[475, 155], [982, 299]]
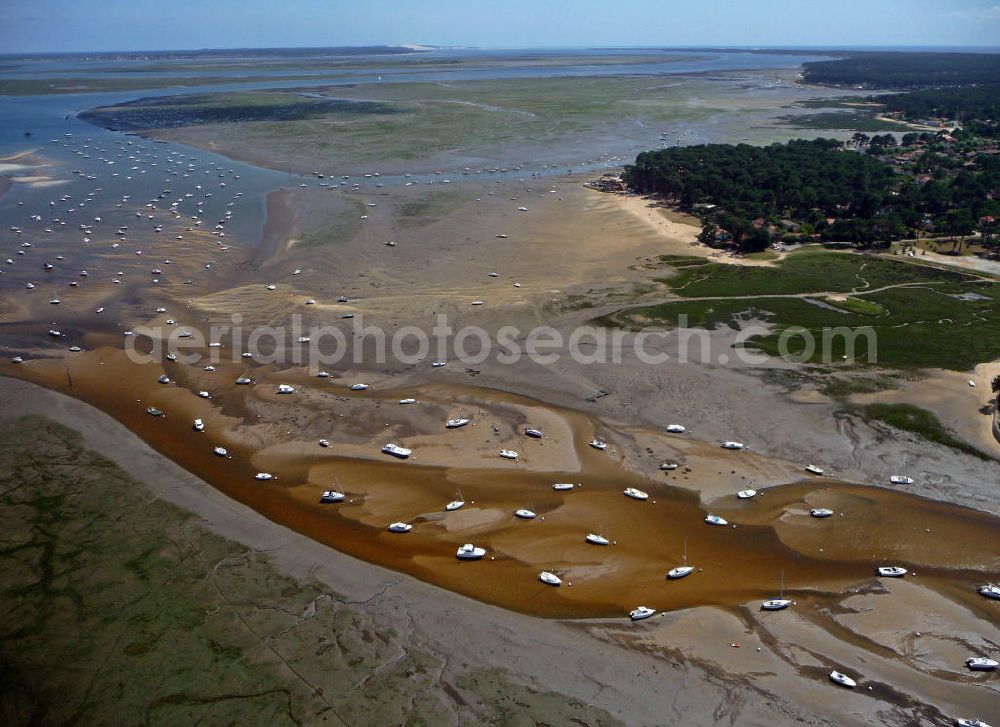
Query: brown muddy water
[[949, 548]]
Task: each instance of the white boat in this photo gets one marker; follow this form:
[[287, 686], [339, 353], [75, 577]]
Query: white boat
[[396, 451], [470, 552], [635, 494], [332, 496], [199, 425], [842, 679], [400, 528], [286, 389], [901, 480], [970, 723], [221, 451], [438, 364], [990, 590], [549, 578], [779, 603], [641, 612], [598, 444], [323, 374], [681, 570], [407, 401], [359, 387], [676, 428], [669, 466], [821, 512], [456, 423], [733, 445], [324, 442], [595, 539], [204, 395], [454, 505], [891, 571], [775, 604], [263, 476], [715, 520], [562, 486], [164, 379], [536, 433], [981, 663], [746, 494], [508, 454], [243, 381], [813, 469], [525, 514]]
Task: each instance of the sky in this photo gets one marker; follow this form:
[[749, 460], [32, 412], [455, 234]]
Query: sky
[[43, 26]]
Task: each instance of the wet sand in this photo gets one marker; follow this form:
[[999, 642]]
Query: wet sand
[[902, 640]]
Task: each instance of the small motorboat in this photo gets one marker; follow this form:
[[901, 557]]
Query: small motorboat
[[981, 663], [263, 476], [407, 401], [324, 442], [598, 444], [595, 539], [204, 395], [456, 423], [715, 520], [733, 445], [221, 451], [680, 571], [842, 679], [990, 590], [641, 612], [470, 552], [286, 389], [454, 505], [669, 466], [400, 528], [562, 486], [821, 512], [676, 428], [813, 469], [332, 496], [901, 480], [396, 451], [153, 411], [536, 433], [549, 578], [635, 494], [776, 604], [525, 514], [970, 723], [438, 364], [199, 425], [359, 387], [243, 381], [891, 571], [508, 454], [746, 494], [164, 379]]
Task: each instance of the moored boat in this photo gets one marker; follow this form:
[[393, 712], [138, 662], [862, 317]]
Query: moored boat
[[641, 612], [842, 679], [821, 512], [595, 539], [470, 552], [332, 496], [981, 663], [400, 528], [635, 494], [746, 494], [891, 571], [715, 520], [396, 451], [549, 578]]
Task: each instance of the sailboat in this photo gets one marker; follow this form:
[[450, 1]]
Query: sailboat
[[779, 603], [681, 570], [457, 503]]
